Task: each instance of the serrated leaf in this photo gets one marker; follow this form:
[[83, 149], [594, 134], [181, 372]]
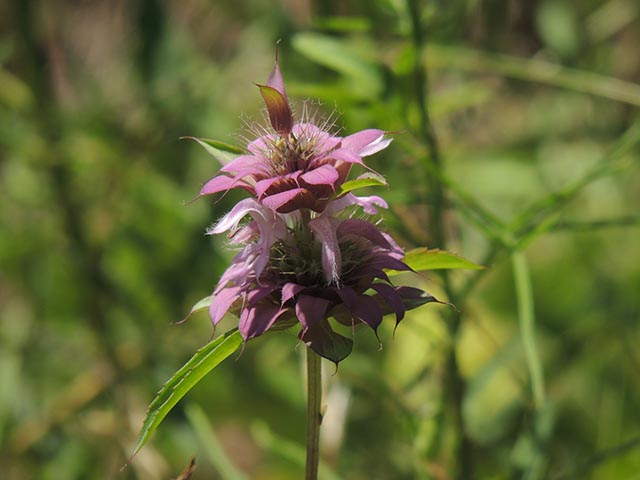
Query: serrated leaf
[[223, 152], [422, 258], [204, 360], [368, 179]]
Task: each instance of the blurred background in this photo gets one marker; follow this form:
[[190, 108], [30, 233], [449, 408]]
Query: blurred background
[[535, 172]]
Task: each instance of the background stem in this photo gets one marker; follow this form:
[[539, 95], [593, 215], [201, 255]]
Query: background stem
[[454, 384], [314, 413], [524, 294]]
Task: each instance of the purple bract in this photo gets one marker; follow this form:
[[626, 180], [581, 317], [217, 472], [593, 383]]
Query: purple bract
[[299, 165]]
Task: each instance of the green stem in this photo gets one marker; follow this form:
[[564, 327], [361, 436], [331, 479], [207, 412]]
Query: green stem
[[314, 414], [433, 166], [526, 315]]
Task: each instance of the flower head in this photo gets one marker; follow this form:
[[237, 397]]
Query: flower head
[[335, 268], [296, 165]]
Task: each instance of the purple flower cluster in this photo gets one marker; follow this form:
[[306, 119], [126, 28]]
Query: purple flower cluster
[[306, 252]]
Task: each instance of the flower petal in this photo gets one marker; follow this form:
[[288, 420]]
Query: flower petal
[[363, 307], [327, 343], [246, 163], [220, 183], [281, 182], [366, 142], [290, 200], [290, 290], [414, 297], [310, 310], [324, 175], [384, 260], [392, 298], [221, 303], [368, 204], [256, 320], [345, 155], [231, 219], [324, 228], [364, 229], [260, 292]]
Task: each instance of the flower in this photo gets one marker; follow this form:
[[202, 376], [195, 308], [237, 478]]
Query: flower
[[297, 165], [293, 270]]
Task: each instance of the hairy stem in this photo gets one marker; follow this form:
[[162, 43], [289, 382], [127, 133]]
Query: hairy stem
[[314, 413]]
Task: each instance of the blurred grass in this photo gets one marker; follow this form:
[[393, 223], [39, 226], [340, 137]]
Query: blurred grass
[[534, 106]]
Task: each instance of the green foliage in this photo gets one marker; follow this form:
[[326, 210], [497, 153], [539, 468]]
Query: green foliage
[[368, 179], [202, 362], [422, 258], [534, 176]]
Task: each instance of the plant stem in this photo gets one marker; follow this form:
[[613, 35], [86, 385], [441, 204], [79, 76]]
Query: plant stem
[[455, 388], [314, 413], [524, 294]]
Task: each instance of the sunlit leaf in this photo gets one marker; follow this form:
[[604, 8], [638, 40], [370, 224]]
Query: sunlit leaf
[[204, 360], [424, 259], [334, 54], [368, 179], [343, 24], [202, 304], [223, 152]]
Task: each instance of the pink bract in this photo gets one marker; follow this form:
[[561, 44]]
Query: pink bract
[[282, 276], [299, 165]]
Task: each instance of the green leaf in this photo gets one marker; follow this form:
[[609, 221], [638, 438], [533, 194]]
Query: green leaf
[[202, 304], [368, 179], [424, 259], [336, 55], [204, 360], [343, 24], [222, 152]]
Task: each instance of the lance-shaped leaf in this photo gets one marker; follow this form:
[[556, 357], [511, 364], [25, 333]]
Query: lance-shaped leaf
[[368, 179], [223, 152], [278, 109], [422, 258], [204, 360]]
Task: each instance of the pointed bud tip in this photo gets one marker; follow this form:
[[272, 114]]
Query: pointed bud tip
[[278, 108]]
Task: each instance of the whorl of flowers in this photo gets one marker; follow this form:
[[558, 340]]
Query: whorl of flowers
[[298, 165], [308, 252]]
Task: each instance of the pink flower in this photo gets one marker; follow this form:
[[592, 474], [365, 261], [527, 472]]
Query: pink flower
[[298, 165], [330, 267]]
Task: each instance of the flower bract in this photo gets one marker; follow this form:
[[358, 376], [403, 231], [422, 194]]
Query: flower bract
[[296, 165]]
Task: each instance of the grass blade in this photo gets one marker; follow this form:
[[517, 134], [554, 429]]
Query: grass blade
[[217, 456], [526, 317]]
